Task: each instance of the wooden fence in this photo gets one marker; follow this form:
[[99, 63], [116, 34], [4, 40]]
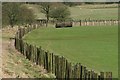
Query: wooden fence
[[95, 22], [87, 22], [55, 64]]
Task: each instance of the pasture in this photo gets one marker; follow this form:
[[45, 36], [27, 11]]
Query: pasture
[[97, 14], [93, 46], [96, 11]]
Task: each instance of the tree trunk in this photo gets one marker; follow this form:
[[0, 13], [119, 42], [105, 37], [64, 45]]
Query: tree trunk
[[11, 23], [47, 19]]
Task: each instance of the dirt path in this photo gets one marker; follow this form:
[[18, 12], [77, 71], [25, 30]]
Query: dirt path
[[13, 63]]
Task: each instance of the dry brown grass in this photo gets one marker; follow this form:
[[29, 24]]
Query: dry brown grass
[[15, 64]]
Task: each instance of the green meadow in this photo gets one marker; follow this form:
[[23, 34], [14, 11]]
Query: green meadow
[[96, 47]]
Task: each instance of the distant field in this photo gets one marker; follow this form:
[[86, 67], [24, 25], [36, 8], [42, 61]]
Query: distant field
[[95, 47], [101, 11], [104, 13]]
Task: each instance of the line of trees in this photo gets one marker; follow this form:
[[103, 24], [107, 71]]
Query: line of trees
[[14, 13]]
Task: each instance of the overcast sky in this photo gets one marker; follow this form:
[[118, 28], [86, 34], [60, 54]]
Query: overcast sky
[[59, 0]]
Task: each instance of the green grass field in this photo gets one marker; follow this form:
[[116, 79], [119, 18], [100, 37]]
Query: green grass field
[[101, 11], [94, 46]]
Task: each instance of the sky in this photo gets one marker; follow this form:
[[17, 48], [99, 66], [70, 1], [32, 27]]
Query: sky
[[59, 0]]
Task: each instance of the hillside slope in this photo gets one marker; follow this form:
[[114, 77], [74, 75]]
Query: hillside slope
[[16, 65]]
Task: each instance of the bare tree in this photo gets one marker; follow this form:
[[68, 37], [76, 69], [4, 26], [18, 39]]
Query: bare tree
[[10, 13], [45, 8], [16, 13]]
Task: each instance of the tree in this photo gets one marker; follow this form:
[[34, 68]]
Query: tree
[[10, 13], [45, 8], [26, 15], [60, 13], [16, 13]]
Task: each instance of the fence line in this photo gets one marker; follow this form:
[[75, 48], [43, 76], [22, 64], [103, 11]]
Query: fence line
[[95, 22], [88, 22], [55, 64]]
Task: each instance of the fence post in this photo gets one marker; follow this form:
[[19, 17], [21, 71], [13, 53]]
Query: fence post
[[30, 48], [82, 75], [105, 22], [60, 67], [57, 66], [95, 76], [53, 63], [24, 53], [22, 46], [64, 66], [83, 22], [85, 73], [102, 75], [66, 69], [38, 53], [76, 71], [40, 59], [80, 22], [89, 75], [46, 61], [100, 22], [16, 41], [70, 70], [111, 22], [108, 75], [23, 31], [43, 56], [49, 62], [33, 53], [92, 74], [27, 51]]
